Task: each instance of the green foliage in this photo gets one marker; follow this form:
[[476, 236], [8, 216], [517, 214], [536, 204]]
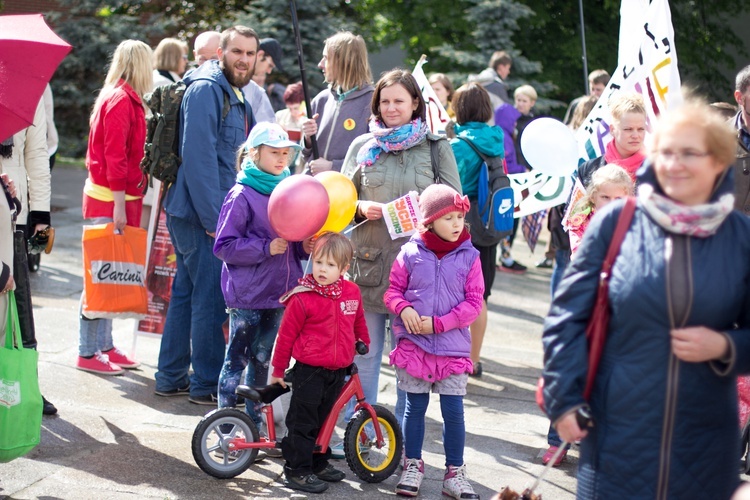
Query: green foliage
[[705, 42], [94, 30], [556, 24], [318, 19]]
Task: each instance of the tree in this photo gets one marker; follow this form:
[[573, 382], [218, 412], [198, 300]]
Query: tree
[[318, 20], [94, 31]]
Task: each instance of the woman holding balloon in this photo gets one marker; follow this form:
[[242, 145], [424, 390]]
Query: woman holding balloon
[[259, 264], [389, 162]]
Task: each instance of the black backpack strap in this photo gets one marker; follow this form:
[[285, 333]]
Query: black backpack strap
[[434, 156]]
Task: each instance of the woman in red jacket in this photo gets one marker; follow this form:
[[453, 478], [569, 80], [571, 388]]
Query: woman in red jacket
[[111, 192]]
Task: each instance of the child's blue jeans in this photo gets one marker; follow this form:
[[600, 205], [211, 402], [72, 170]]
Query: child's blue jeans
[[252, 333], [454, 428]]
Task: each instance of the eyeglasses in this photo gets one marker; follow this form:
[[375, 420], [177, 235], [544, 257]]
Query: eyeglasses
[[685, 156]]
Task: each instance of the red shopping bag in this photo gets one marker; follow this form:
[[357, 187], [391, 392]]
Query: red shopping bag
[[114, 274]]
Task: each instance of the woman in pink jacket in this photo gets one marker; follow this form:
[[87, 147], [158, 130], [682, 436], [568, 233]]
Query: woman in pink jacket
[[112, 192]]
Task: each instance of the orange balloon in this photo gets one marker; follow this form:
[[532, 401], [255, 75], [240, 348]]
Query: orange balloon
[[342, 196]]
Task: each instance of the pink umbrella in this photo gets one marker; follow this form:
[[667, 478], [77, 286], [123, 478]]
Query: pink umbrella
[[29, 55]]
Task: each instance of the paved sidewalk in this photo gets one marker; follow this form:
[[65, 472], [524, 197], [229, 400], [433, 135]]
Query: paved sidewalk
[[114, 439]]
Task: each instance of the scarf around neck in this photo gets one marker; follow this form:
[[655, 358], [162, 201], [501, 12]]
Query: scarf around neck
[[439, 246], [261, 181], [700, 221], [332, 291], [631, 163], [390, 139]]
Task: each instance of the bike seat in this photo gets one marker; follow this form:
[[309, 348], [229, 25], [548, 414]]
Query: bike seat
[[262, 394]]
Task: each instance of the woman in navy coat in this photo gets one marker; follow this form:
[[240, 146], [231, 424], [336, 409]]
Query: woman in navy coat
[[664, 401]]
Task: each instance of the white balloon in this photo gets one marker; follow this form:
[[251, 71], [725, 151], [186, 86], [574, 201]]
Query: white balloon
[[550, 147]]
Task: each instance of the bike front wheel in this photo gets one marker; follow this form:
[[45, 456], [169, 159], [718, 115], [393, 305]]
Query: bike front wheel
[[370, 463], [211, 441]]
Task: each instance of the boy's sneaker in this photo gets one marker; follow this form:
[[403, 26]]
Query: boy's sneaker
[[121, 359], [411, 478], [100, 364], [206, 399], [330, 474], [180, 391], [309, 483], [456, 484]]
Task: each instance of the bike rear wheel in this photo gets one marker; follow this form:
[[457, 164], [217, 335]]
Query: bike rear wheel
[[211, 439], [370, 463]]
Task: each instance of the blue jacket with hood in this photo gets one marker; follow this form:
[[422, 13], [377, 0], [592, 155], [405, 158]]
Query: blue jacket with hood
[[487, 139], [663, 428], [208, 146]]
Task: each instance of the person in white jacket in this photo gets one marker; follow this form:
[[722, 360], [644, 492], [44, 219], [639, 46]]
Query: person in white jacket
[[25, 159]]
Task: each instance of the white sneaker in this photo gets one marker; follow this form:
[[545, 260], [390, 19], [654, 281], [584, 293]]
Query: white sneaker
[[456, 484], [411, 478]]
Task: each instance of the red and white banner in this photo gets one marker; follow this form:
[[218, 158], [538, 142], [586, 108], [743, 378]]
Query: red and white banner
[[160, 270]]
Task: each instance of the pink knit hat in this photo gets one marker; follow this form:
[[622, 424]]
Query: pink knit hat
[[438, 200]]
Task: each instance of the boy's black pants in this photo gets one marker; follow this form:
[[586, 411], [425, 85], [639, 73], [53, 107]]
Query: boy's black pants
[[314, 391]]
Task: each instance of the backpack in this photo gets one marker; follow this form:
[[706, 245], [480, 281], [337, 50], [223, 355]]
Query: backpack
[[490, 217], [161, 158]]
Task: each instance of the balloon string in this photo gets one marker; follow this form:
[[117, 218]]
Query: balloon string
[[288, 264], [355, 227], [307, 266]]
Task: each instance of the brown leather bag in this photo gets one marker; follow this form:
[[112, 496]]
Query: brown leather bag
[[596, 330]]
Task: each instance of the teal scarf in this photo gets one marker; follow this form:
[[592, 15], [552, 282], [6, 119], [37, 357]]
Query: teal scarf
[[261, 181]]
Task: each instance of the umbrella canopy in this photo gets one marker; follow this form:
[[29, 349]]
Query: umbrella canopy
[[29, 54]]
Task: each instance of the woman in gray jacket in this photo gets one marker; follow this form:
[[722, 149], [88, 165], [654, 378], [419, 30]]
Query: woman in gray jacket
[[393, 159]]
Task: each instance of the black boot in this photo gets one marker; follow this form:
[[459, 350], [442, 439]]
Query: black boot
[[47, 407]]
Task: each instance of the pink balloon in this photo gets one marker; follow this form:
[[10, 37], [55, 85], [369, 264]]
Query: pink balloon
[[298, 207]]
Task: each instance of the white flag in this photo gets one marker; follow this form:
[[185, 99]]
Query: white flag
[[437, 116], [651, 70]]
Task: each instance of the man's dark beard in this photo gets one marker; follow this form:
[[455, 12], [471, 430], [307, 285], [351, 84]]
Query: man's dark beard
[[235, 81]]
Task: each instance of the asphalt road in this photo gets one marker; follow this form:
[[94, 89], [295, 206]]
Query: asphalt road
[[114, 439]]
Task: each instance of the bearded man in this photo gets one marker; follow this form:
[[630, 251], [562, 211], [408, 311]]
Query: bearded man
[[215, 120]]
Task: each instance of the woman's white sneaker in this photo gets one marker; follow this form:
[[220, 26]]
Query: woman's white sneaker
[[411, 478]]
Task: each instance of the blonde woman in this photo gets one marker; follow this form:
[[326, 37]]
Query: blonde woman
[[170, 61], [111, 192], [340, 112]]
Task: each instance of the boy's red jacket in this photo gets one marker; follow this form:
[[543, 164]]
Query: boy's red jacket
[[320, 331]]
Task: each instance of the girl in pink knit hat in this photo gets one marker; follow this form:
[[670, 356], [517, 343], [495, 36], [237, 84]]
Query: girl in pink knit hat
[[435, 293]]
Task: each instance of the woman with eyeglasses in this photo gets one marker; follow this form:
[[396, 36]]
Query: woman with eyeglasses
[[664, 400]]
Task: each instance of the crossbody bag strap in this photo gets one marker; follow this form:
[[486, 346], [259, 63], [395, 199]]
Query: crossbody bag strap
[[623, 223], [596, 330], [434, 155]]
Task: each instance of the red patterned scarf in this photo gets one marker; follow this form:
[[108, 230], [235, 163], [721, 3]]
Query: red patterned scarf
[[332, 291]]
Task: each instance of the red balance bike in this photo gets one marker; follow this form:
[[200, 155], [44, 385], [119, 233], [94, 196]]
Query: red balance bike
[[226, 441]]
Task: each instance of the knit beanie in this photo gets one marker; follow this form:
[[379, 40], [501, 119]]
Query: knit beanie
[[438, 200]]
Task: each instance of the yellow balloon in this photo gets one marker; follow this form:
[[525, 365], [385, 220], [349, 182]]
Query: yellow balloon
[[342, 196]]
